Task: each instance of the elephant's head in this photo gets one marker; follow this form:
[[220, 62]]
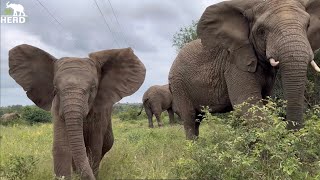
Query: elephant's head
[[281, 33], [76, 85]]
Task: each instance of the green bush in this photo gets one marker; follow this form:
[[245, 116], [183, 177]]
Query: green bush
[[259, 147], [11, 109], [18, 167], [127, 112], [33, 114]]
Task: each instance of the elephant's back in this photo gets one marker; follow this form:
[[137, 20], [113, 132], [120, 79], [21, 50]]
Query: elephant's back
[[189, 67], [159, 94], [189, 54]]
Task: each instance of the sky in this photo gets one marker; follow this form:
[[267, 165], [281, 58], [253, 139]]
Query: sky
[[147, 26]]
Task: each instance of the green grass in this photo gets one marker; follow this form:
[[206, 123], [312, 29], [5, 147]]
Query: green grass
[[138, 152], [25, 141], [229, 147]]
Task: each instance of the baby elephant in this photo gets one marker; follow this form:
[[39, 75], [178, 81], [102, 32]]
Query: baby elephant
[[156, 100], [80, 93]]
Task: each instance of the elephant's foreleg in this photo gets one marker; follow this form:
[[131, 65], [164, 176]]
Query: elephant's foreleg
[[62, 157], [244, 87], [187, 114], [199, 117], [190, 125], [108, 140], [94, 137], [171, 116], [185, 111]]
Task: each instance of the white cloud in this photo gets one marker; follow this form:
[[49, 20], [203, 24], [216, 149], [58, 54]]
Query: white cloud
[[148, 27]]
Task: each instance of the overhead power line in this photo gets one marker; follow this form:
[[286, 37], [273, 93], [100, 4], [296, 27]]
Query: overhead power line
[[114, 14], [55, 19], [118, 35], [105, 21]]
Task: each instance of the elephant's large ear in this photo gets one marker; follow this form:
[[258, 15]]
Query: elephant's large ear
[[224, 25], [122, 74], [32, 68], [313, 8]]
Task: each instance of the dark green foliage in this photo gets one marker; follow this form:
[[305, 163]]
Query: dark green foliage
[[11, 109], [18, 167], [185, 35], [33, 114], [259, 147], [128, 112]]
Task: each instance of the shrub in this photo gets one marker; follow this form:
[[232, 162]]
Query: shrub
[[33, 114], [127, 112], [18, 167], [259, 147], [11, 109]]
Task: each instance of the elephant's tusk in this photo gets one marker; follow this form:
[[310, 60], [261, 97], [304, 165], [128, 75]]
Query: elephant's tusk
[[315, 66], [273, 62]]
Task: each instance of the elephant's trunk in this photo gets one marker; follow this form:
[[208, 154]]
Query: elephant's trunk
[[74, 110], [293, 82], [294, 55]]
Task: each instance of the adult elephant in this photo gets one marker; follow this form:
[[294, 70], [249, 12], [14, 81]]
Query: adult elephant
[[242, 43], [156, 100], [80, 93]]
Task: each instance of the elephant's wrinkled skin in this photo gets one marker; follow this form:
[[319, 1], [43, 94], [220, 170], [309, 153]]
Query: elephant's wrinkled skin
[[241, 42], [80, 93], [156, 100]]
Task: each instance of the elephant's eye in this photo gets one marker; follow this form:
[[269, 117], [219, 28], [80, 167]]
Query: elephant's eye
[[93, 87], [308, 25], [261, 32], [55, 90]]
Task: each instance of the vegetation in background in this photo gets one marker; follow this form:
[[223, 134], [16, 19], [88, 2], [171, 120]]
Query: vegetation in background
[[11, 109], [33, 114], [128, 112], [185, 35]]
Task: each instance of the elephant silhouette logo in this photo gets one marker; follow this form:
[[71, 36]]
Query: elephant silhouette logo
[[18, 9], [13, 13]]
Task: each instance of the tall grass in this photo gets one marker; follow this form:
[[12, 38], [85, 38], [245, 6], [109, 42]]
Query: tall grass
[[138, 152]]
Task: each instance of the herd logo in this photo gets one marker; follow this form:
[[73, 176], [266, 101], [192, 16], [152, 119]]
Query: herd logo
[[13, 13]]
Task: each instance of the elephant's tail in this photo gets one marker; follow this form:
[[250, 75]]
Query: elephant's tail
[[142, 107], [140, 110]]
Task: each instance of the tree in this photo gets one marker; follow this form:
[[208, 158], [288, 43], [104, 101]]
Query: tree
[[185, 35]]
